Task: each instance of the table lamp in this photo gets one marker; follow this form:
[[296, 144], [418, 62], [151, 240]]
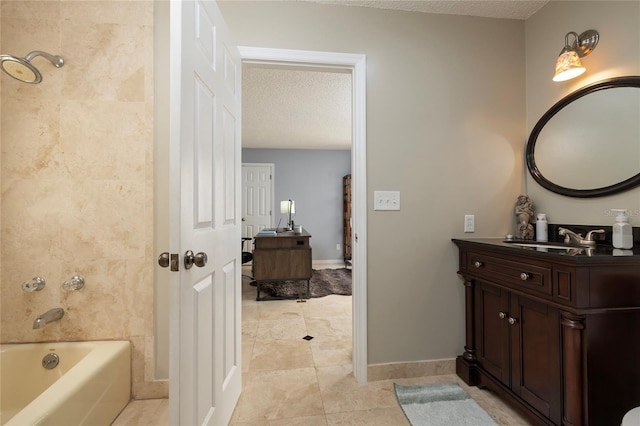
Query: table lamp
[[288, 207]]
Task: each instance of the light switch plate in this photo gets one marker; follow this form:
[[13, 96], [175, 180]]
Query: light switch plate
[[386, 200]]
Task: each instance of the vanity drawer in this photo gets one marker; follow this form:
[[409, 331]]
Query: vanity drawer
[[534, 277]]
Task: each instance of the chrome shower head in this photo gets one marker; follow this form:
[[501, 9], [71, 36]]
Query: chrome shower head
[[22, 69]]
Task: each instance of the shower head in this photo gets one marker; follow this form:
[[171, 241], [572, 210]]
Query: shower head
[[22, 69]]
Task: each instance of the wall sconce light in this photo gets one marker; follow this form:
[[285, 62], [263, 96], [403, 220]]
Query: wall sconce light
[[568, 64]]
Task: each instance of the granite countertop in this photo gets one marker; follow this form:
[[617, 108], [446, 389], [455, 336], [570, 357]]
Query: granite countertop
[[601, 253]]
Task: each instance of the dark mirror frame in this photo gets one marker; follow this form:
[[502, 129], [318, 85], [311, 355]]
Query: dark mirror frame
[[629, 81]]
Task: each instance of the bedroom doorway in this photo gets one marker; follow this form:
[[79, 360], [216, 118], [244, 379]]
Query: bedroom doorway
[[354, 64]]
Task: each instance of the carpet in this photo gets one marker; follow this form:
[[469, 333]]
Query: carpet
[[323, 283], [442, 404]]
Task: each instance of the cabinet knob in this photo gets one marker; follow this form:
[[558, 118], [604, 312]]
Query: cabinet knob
[[478, 264], [512, 320], [502, 315], [525, 276]]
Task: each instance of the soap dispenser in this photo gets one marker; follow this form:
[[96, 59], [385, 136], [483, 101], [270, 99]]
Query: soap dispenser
[[622, 234], [542, 233]]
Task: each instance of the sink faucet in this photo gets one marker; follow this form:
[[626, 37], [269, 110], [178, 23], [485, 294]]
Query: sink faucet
[[570, 236], [51, 315]]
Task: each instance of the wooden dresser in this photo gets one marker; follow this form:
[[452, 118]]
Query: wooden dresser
[[346, 219], [555, 334], [280, 257]]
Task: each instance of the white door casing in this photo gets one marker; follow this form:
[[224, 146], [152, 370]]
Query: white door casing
[[257, 198], [357, 64], [205, 317]]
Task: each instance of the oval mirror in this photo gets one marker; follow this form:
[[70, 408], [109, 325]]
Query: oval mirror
[[588, 143]]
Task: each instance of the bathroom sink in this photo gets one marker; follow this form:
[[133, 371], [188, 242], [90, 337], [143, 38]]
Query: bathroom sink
[[544, 246]]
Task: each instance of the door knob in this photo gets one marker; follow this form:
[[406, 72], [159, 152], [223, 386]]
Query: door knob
[[502, 315], [201, 259], [163, 259], [190, 259], [513, 320]]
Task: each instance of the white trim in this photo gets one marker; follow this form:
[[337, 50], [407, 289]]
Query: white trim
[[175, 103], [359, 197], [358, 66]]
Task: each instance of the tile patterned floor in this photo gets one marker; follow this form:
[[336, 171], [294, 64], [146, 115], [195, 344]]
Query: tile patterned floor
[[289, 381]]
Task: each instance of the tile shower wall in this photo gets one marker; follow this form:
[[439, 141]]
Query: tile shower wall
[[77, 176]]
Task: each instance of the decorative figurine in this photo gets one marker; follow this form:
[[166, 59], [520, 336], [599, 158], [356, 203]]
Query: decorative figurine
[[524, 216]]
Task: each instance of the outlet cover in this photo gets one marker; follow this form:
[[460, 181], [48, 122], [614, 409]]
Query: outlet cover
[[469, 223]]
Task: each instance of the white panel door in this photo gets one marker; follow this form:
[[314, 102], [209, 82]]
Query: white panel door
[[257, 199], [205, 363]]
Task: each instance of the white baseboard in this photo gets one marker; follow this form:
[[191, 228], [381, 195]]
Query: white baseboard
[[326, 263]]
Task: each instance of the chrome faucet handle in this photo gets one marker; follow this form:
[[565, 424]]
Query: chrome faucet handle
[[34, 284], [75, 283], [565, 231], [569, 235], [589, 238]]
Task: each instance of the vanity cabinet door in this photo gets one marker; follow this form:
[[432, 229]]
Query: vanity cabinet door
[[518, 343], [492, 311], [535, 350]]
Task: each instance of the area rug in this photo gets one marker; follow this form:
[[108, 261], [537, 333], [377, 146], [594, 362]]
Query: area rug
[[323, 283], [442, 404]]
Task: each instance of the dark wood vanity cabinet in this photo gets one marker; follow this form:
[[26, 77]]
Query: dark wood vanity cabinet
[[556, 336], [517, 342]]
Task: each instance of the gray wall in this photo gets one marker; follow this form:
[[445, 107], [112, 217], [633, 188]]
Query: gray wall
[[313, 179], [445, 127], [450, 102]]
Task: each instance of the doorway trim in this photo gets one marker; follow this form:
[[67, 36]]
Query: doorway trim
[[356, 63]]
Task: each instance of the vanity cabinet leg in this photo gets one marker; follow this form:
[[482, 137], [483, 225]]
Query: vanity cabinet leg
[[466, 367], [572, 342]]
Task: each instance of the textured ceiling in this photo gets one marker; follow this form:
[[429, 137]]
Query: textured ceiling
[[311, 109], [294, 108]]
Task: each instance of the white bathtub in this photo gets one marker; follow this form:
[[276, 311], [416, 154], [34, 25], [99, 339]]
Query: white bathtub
[[90, 385]]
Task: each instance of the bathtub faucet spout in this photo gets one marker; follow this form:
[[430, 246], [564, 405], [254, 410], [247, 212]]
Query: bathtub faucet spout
[[51, 315]]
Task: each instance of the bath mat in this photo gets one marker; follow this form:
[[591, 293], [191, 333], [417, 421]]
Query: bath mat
[[323, 283], [442, 404]]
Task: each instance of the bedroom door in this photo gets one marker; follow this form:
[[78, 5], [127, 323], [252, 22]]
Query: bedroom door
[[258, 207]]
